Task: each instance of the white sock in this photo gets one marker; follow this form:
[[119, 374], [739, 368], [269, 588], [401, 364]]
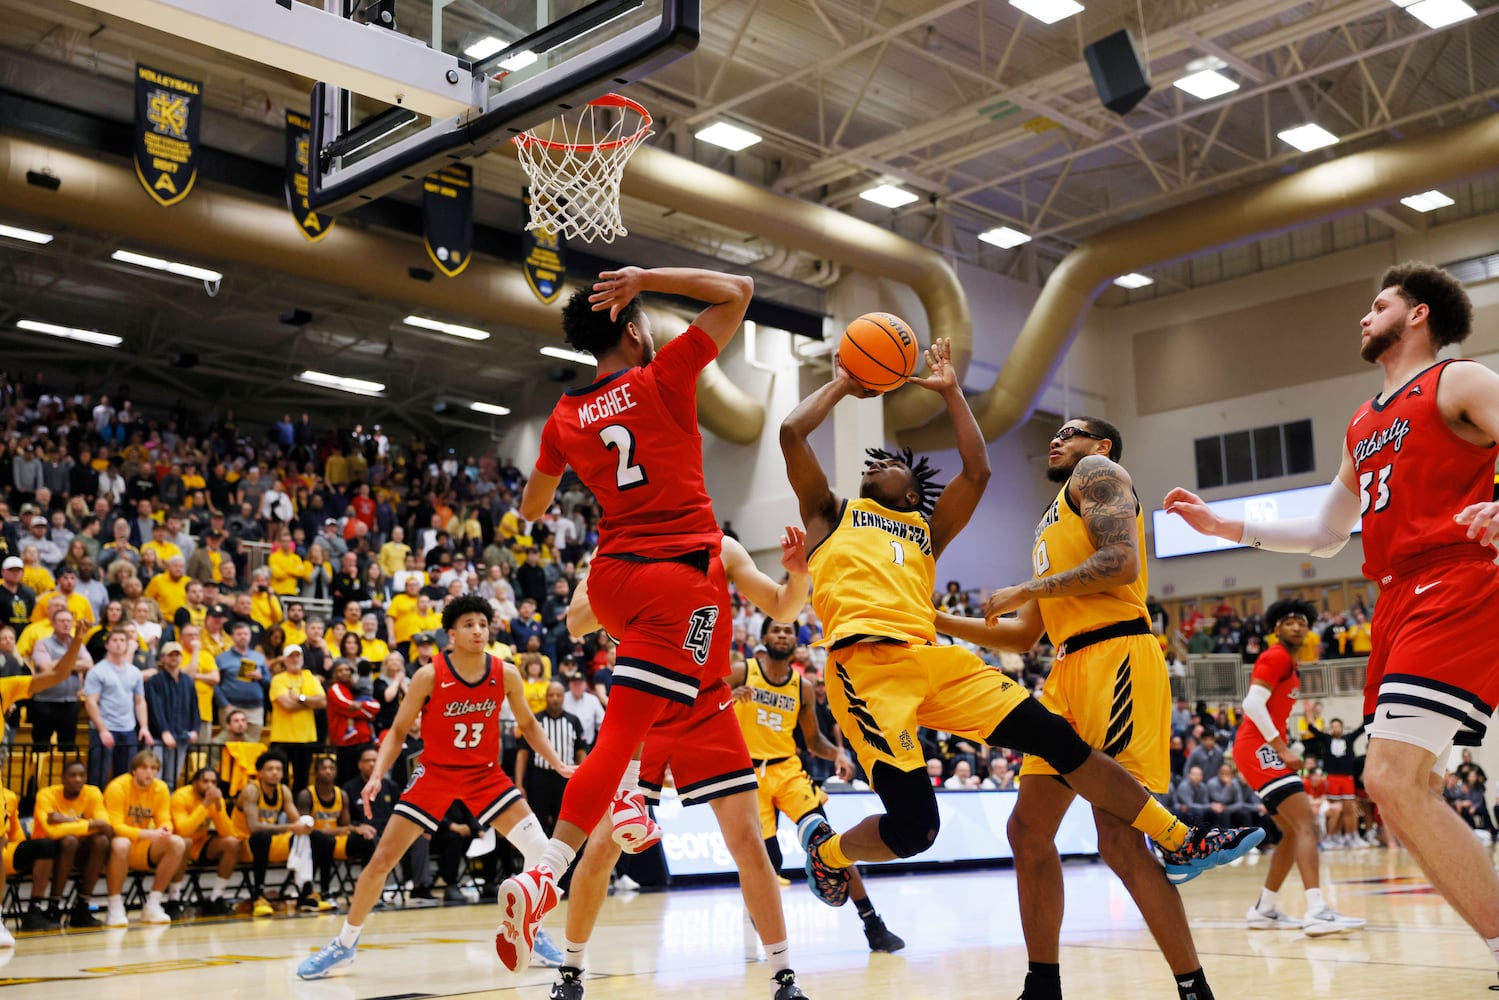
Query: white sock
[[1493, 944], [117, 900], [349, 936], [572, 953], [153, 898], [778, 956], [1267, 901], [528, 838], [631, 778], [1314, 903], [174, 891], [220, 886], [557, 856]]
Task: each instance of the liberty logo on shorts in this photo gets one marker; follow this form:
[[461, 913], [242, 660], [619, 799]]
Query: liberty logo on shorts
[[700, 633], [1269, 759]]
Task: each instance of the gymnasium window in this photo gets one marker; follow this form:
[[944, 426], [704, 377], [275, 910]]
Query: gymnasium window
[[1258, 453]]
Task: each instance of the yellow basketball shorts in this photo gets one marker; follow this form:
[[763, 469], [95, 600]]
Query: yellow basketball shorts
[[882, 691], [280, 849], [1116, 694], [785, 787]]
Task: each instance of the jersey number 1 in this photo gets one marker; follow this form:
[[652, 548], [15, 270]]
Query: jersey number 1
[[618, 437]]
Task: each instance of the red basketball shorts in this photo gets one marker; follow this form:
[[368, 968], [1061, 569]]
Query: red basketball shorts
[[1263, 769], [1340, 786], [1433, 676], [704, 747], [671, 618], [487, 791]]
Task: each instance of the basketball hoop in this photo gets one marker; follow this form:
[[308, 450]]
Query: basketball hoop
[[576, 162]]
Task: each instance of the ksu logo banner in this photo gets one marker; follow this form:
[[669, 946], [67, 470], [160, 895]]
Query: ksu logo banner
[[448, 213], [313, 225], [544, 260], [168, 112]]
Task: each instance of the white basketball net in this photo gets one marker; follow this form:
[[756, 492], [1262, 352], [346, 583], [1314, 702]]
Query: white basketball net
[[576, 162]]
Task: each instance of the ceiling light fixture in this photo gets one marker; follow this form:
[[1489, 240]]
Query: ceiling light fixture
[[1307, 137], [1438, 13], [1134, 280], [485, 47], [1427, 201], [888, 195], [70, 333], [730, 137], [490, 408], [358, 386], [520, 60], [452, 329], [1004, 237], [1048, 11], [1207, 84], [27, 235], [162, 264], [563, 354]]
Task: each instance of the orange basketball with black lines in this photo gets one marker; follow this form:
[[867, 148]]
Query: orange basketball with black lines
[[879, 351]]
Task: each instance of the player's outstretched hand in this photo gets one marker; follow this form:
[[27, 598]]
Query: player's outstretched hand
[[1003, 600], [1191, 508], [939, 360], [615, 289], [850, 386], [794, 550], [1482, 520]]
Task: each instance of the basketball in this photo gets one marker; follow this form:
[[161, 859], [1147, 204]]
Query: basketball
[[879, 351]]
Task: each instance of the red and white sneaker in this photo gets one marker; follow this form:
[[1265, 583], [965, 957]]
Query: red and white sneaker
[[634, 830], [525, 900]]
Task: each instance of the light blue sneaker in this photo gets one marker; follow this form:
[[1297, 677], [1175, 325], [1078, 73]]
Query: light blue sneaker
[[544, 952], [332, 956]]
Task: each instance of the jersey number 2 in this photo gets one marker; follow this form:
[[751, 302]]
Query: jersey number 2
[[618, 437], [466, 735]]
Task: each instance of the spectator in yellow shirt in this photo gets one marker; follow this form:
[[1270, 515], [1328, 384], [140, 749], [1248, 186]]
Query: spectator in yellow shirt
[[199, 664], [403, 609], [296, 696], [200, 815], [295, 626], [161, 543], [67, 589], [371, 646], [265, 606], [287, 569], [394, 552], [140, 810], [72, 815], [169, 589], [34, 574]]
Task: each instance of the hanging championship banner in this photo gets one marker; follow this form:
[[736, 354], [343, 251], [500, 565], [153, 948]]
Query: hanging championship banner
[[544, 260], [168, 111], [298, 137], [448, 210]]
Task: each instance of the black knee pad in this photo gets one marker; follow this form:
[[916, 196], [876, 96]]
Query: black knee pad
[[911, 821], [1032, 729], [773, 848]]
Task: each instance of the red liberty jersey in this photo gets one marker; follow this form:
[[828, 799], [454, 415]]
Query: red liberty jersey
[[461, 721], [1414, 474], [632, 437], [1277, 669]]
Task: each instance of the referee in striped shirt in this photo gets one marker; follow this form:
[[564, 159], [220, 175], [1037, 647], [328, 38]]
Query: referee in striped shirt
[[542, 784]]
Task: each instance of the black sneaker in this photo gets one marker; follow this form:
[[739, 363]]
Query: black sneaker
[[879, 936], [453, 894], [35, 919], [786, 988], [1207, 849], [569, 984], [220, 907], [81, 916], [173, 908]]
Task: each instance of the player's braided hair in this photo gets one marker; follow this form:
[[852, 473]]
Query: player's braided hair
[[921, 470]]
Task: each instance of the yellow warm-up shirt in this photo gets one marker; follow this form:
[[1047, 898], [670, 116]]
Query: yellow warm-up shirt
[[76, 813], [133, 810]]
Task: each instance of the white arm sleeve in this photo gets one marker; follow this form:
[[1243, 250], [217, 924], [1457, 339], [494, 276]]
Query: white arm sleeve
[[1257, 710], [1323, 535]]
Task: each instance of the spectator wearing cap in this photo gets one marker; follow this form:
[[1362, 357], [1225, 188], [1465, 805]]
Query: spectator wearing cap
[[16, 599], [161, 543], [216, 637], [169, 588], [423, 651], [205, 564], [49, 553], [332, 540], [583, 705], [67, 589], [296, 697], [243, 677], [172, 711]]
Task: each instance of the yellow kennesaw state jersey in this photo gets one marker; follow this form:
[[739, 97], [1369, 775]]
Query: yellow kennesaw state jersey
[[1062, 543], [769, 720], [325, 814], [874, 575], [271, 812]]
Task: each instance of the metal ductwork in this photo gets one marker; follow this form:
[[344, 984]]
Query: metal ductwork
[[217, 225], [1352, 183], [678, 183]]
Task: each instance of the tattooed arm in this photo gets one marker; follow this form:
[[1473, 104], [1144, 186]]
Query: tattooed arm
[[1103, 494]]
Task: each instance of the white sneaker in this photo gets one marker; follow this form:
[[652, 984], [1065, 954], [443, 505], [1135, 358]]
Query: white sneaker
[[7, 939], [1257, 919], [154, 913], [625, 883], [1329, 922], [116, 916]]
